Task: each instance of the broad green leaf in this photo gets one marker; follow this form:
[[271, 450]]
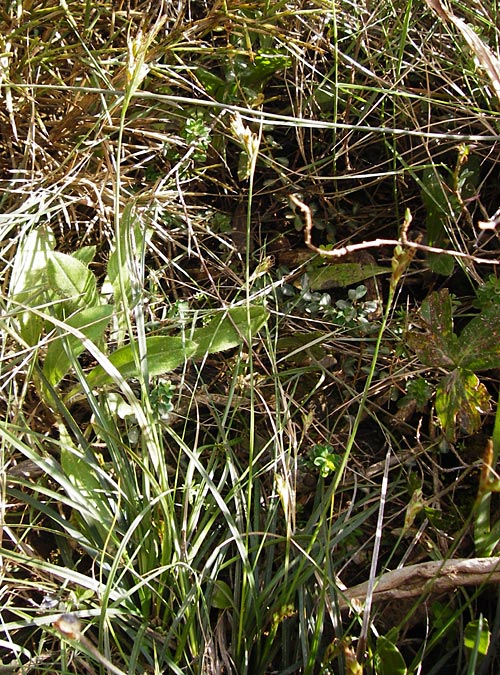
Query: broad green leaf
[[228, 329], [480, 340], [477, 639], [30, 262], [460, 400], [28, 281], [72, 282], [214, 84], [438, 346], [441, 263], [435, 197], [297, 348], [164, 354], [85, 254], [222, 597], [474, 629], [254, 73], [92, 323], [342, 274], [388, 658]]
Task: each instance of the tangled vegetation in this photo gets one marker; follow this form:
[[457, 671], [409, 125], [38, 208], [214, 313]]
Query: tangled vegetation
[[249, 337]]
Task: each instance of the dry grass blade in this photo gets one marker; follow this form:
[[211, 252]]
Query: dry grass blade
[[485, 57]]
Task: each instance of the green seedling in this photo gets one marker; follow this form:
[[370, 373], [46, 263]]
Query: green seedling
[[323, 458]]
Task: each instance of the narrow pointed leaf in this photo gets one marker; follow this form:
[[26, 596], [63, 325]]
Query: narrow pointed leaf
[[85, 254], [87, 490], [122, 265]]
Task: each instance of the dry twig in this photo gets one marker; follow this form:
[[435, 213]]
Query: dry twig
[[375, 243]]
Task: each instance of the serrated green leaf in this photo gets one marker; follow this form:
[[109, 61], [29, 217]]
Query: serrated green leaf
[[342, 274], [92, 323], [460, 400], [229, 329], [72, 282], [438, 346], [388, 658], [165, 353], [480, 340]]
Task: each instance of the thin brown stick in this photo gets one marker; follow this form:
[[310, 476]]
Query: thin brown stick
[[375, 243]]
